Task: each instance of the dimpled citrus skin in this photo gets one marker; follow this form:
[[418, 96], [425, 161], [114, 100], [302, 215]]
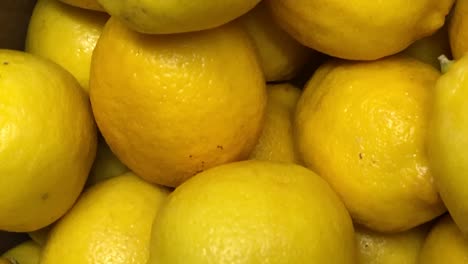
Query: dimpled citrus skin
[[359, 29], [276, 142], [253, 212], [401, 248], [281, 56], [362, 127], [66, 35], [110, 223], [444, 244], [176, 16], [87, 4], [458, 32], [170, 106], [48, 141], [447, 144]]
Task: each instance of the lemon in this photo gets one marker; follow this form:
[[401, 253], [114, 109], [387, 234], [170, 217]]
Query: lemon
[[110, 223], [448, 142], [106, 165], [276, 142], [401, 248], [28, 252], [170, 106], [66, 35], [164, 17], [429, 49], [362, 127], [48, 141], [445, 244], [87, 4], [253, 212], [359, 29], [281, 56], [458, 29]]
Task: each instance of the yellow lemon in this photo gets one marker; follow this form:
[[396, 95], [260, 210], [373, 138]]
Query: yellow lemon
[[359, 29], [253, 212], [276, 142], [448, 142], [362, 127], [281, 56], [106, 165], [458, 32], [110, 223], [445, 244], [28, 252], [429, 49], [87, 4], [66, 35], [48, 141], [170, 106], [163, 17], [401, 248]]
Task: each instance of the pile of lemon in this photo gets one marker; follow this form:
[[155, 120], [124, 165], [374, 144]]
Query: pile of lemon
[[237, 132]]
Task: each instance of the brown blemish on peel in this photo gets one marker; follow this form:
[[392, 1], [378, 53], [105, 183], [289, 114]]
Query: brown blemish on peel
[[45, 196]]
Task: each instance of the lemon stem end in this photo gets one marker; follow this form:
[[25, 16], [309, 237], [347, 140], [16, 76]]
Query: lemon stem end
[[445, 63]]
